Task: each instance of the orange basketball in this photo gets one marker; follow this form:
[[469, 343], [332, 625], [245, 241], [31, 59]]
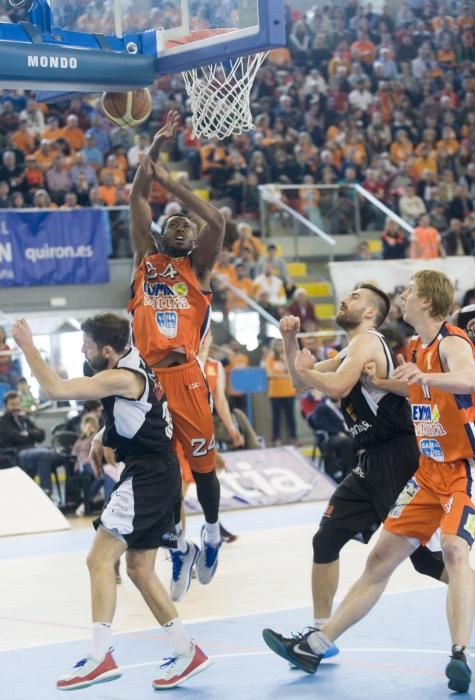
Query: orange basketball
[[127, 109]]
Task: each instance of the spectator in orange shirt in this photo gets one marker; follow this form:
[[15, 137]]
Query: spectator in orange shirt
[[34, 176], [281, 394], [213, 160], [244, 284], [402, 148], [108, 190], [448, 141], [224, 267], [52, 131], [426, 241], [424, 161], [363, 49], [246, 239], [23, 138], [45, 154], [112, 168], [73, 134]]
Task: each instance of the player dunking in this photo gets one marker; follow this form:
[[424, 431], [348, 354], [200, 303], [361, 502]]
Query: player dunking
[[140, 515], [379, 421], [170, 307], [440, 382]]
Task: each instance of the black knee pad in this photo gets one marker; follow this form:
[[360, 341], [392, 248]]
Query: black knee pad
[[427, 562], [327, 543]]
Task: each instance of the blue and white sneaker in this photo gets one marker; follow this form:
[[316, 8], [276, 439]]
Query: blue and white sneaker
[[207, 560], [182, 566]]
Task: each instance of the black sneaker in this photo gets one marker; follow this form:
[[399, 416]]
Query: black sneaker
[[226, 536], [458, 671], [294, 649]]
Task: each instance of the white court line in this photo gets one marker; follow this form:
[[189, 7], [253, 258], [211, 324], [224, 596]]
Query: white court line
[[200, 620], [381, 650]]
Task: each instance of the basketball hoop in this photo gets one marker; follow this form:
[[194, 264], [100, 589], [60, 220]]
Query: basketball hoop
[[220, 96]]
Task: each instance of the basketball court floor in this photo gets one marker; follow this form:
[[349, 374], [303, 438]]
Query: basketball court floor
[[398, 651]]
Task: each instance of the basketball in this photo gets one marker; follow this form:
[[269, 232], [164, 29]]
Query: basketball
[[127, 109]]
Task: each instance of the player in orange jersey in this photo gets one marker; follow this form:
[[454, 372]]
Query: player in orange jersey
[[440, 382], [171, 306], [216, 377]]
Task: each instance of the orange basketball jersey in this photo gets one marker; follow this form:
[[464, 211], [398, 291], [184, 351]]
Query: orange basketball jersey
[[444, 423], [169, 310]]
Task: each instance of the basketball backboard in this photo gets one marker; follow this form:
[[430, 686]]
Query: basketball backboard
[[96, 45]]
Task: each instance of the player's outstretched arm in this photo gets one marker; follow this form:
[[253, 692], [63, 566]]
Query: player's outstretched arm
[[143, 242], [338, 384], [211, 235], [107, 383], [456, 354]]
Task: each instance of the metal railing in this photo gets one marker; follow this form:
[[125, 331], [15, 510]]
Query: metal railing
[[336, 209]]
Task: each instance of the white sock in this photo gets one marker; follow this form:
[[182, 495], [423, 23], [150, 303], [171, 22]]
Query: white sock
[[178, 638], [101, 638], [320, 621], [182, 544], [212, 535], [318, 643]]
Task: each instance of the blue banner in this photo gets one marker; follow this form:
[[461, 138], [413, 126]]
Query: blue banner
[[53, 247]]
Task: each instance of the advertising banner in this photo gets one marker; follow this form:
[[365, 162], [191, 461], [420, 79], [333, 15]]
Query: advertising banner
[[266, 477], [53, 247]]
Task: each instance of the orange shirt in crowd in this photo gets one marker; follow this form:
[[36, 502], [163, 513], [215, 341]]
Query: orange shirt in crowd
[[52, 134], [452, 146], [366, 50], [24, 141], [228, 271], [400, 152], [426, 243], [421, 164], [108, 195], [74, 136], [280, 385], [117, 173], [246, 285]]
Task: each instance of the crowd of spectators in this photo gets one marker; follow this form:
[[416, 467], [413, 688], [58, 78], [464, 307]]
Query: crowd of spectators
[[381, 99]]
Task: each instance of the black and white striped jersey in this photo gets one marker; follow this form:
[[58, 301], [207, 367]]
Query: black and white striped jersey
[[374, 416], [142, 426]]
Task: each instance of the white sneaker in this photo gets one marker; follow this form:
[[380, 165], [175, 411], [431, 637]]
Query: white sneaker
[[208, 559], [177, 669], [80, 510], [89, 671], [182, 566]]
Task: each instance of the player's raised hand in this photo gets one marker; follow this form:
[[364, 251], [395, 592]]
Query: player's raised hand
[[289, 326], [304, 360], [408, 372], [169, 129], [22, 334]]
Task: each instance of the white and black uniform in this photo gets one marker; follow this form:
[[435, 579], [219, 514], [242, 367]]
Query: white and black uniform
[[466, 321], [381, 424], [146, 500]]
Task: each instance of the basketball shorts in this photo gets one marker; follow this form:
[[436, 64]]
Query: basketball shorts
[[145, 502], [190, 404], [363, 499], [439, 494]]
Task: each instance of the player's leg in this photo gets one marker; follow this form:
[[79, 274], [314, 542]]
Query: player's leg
[[187, 658], [99, 665], [307, 651]]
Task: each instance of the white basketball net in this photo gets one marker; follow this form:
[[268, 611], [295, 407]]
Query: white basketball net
[[220, 97]]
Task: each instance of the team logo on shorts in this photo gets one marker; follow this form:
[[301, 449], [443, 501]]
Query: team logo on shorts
[[470, 525], [405, 497], [432, 449], [167, 322]]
